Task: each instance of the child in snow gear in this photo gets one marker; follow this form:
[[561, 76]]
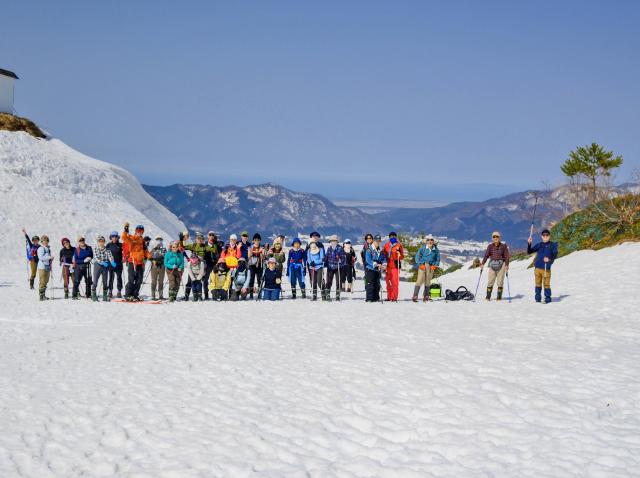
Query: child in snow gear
[[374, 261], [315, 262], [334, 260], [546, 252], [220, 281], [271, 281], [427, 261], [44, 266], [394, 252], [297, 267], [32, 256], [137, 253], [240, 277], [66, 265], [195, 268], [82, 257], [102, 259], [210, 259], [277, 253], [348, 271], [498, 255], [202, 250], [115, 273], [256, 257], [174, 264], [157, 269]]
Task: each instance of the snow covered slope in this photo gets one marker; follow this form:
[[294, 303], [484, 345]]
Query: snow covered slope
[[349, 389], [52, 189]]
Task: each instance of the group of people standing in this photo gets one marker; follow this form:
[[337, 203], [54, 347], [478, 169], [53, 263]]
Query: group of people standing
[[210, 269]]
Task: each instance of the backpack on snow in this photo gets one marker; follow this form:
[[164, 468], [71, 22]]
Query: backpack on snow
[[461, 293]]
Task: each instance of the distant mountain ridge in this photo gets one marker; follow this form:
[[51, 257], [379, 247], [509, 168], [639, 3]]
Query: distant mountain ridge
[[267, 208], [273, 209]]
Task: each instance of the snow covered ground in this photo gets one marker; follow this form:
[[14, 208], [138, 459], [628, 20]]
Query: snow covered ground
[[301, 389]]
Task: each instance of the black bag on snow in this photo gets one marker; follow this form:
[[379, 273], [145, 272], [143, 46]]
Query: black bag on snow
[[461, 293]]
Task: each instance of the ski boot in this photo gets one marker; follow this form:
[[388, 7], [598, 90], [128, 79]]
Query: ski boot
[[172, 296], [105, 296], [75, 297], [538, 294], [119, 296], [489, 290], [547, 296], [153, 295], [66, 293], [304, 294], [293, 293], [31, 281], [499, 297], [94, 296], [42, 296], [315, 296], [416, 289]]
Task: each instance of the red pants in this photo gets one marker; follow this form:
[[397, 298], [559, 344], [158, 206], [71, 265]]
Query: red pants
[[392, 277]]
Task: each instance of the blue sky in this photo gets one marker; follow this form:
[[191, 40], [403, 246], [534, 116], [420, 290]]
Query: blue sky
[[423, 100]]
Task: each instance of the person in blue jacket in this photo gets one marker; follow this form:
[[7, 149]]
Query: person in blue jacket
[[427, 261], [546, 252], [297, 267], [32, 256], [315, 262], [271, 281], [374, 263], [82, 257]]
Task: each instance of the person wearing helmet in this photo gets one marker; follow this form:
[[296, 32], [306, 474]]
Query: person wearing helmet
[[66, 263], [115, 273], [32, 256], [157, 268], [44, 266], [102, 260], [174, 264], [136, 265]]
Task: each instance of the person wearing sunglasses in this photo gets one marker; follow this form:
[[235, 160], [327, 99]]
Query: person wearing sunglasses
[[427, 260], [498, 255], [546, 252]]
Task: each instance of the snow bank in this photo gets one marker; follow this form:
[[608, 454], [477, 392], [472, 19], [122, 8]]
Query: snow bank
[[301, 389], [50, 188]]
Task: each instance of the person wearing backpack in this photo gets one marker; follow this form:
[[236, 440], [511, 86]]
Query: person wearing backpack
[[394, 251], [546, 253], [240, 277], [374, 262], [334, 260], [427, 260], [497, 254], [102, 260], [66, 262], [82, 257], [44, 266], [256, 255], [33, 244], [157, 269], [115, 273], [348, 272], [315, 262], [174, 264]]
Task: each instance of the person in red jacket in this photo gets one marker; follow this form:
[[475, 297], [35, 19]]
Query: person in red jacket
[[394, 252]]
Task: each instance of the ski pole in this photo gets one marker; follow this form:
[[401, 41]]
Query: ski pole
[[535, 206], [53, 294], [508, 287], [478, 285]]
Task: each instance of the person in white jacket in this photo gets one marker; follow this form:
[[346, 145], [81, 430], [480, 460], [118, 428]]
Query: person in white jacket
[[44, 266]]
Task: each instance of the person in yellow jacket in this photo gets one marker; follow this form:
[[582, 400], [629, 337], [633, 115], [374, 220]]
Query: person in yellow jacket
[[220, 282]]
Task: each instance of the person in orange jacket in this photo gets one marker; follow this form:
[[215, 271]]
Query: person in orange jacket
[[231, 253], [394, 252], [137, 253]]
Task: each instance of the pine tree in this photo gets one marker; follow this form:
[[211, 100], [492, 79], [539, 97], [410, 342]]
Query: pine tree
[[591, 162]]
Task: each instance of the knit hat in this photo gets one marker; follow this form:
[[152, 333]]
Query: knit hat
[[377, 238], [114, 234], [545, 231], [64, 239], [314, 234], [35, 238], [272, 260], [100, 239], [393, 234], [347, 241], [233, 237], [257, 236], [139, 227], [296, 239]]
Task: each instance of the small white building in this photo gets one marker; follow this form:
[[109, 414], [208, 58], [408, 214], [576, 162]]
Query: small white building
[[7, 80]]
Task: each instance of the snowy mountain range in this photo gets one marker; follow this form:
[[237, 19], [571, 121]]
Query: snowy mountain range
[[268, 208], [272, 209], [50, 188]]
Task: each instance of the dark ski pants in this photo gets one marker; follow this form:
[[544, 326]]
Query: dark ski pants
[[205, 280], [237, 294], [316, 279], [331, 274], [135, 275], [66, 277], [219, 294], [256, 271], [99, 272], [115, 275], [81, 272], [346, 275], [373, 285]]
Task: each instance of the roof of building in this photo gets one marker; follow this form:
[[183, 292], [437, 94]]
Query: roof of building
[[8, 73]]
